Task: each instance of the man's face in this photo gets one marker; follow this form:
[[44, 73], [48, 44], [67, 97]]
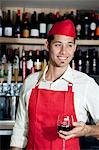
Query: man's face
[[61, 50]]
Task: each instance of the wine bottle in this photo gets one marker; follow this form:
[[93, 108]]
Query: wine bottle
[[26, 26], [16, 65], [45, 59], [17, 27], [42, 25], [97, 27], [92, 25], [34, 27], [50, 21], [86, 26], [8, 29], [37, 61], [30, 68], [78, 25], [1, 24], [24, 65]]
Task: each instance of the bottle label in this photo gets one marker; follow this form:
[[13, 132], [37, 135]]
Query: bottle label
[[25, 33], [93, 26], [0, 31], [29, 64], [49, 26], [42, 27], [8, 31], [34, 32], [37, 65], [78, 28], [97, 31]]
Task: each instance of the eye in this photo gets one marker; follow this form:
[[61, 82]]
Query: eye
[[57, 45], [70, 45]]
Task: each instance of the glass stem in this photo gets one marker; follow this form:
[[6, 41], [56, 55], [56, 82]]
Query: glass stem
[[64, 145]]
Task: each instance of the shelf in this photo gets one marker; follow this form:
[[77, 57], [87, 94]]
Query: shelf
[[77, 4], [6, 124], [34, 41], [31, 41]]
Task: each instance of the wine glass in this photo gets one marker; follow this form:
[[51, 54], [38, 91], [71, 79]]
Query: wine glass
[[64, 123]]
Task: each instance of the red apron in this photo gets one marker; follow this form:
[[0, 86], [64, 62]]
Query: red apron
[[43, 110]]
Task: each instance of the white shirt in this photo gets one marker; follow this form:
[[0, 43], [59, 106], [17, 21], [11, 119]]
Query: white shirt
[[86, 98]]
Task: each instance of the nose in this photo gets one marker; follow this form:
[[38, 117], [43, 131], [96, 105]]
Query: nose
[[64, 49]]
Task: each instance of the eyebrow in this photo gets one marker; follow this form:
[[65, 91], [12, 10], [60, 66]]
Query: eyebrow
[[61, 42]]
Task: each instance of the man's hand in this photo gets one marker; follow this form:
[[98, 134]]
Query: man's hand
[[80, 129]]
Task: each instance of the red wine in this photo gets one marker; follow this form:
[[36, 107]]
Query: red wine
[[64, 128]]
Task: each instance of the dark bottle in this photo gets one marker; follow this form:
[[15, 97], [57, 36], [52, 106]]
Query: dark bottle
[[50, 21], [93, 25], [24, 65], [42, 25], [25, 26], [97, 26], [87, 62], [78, 25], [34, 27], [37, 61], [45, 58], [71, 16], [80, 60], [86, 26], [8, 29], [57, 17], [16, 65], [17, 27], [30, 67], [93, 62], [1, 24]]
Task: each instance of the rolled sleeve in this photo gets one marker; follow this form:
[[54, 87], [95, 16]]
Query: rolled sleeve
[[20, 129]]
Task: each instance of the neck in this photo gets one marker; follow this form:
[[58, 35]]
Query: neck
[[54, 73]]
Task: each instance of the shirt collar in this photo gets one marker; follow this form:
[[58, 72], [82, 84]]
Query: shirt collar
[[68, 74]]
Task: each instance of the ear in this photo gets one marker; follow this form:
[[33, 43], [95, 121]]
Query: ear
[[46, 46]]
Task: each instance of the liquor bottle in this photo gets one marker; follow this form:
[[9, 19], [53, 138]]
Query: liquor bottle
[[30, 67], [26, 26], [78, 25], [42, 25], [93, 25], [8, 29], [97, 27], [34, 27], [86, 26], [37, 61], [1, 24], [17, 27]]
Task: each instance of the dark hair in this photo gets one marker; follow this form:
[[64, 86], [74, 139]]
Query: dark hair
[[50, 38]]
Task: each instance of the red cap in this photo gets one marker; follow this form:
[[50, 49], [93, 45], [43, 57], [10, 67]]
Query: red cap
[[65, 27]]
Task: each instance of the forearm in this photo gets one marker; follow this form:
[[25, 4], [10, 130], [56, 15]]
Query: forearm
[[15, 148], [92, 130]]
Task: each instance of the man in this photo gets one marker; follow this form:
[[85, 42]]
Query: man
[[59, 89]]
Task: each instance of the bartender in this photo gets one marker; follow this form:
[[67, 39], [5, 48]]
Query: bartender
[[59, 89]]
